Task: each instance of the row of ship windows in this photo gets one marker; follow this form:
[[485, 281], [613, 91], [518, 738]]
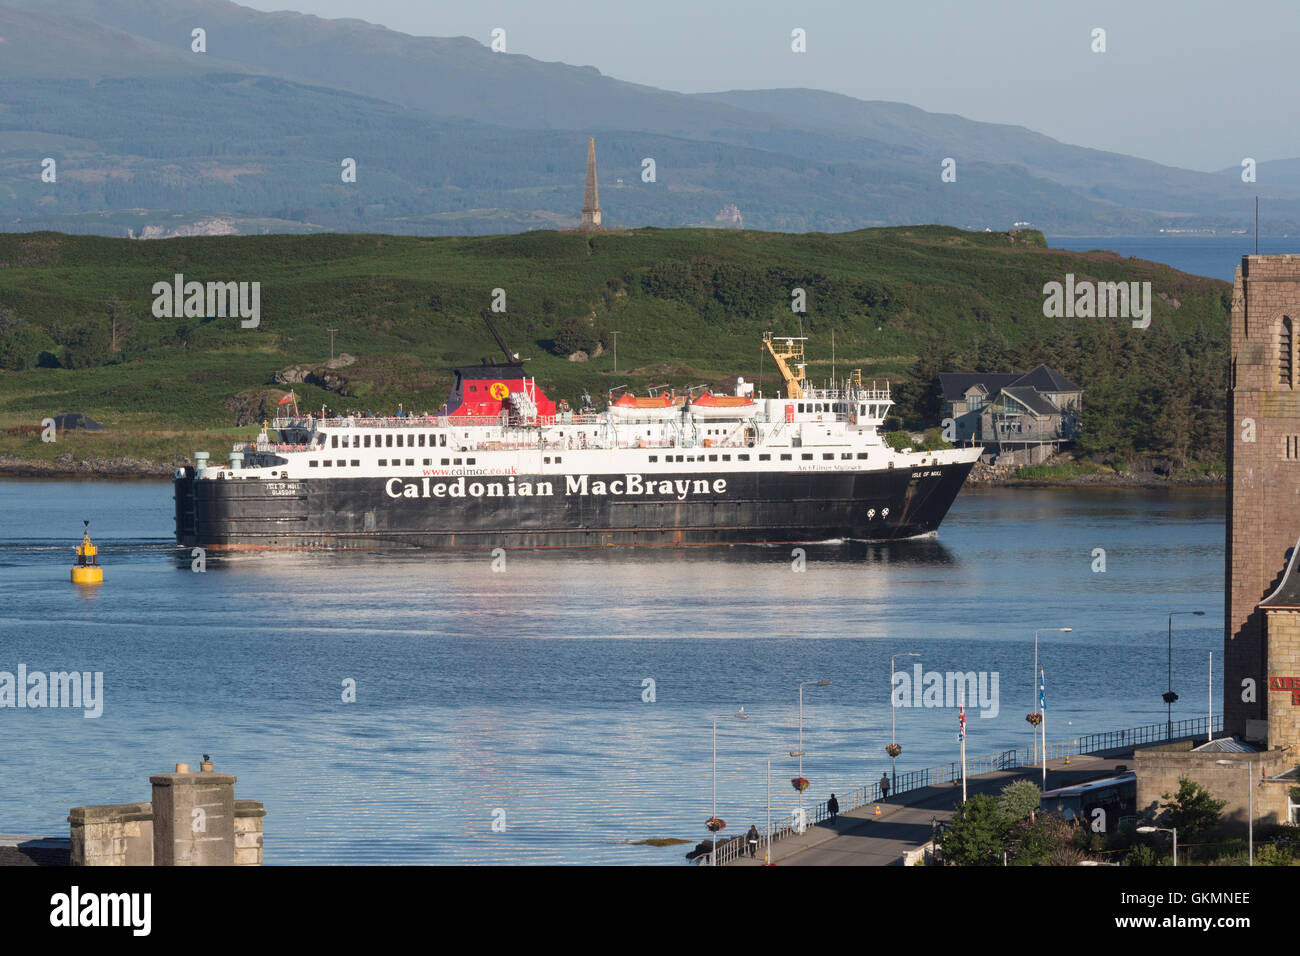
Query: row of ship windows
[[805, 456], [839, 408], [387, 441], [397, 462]]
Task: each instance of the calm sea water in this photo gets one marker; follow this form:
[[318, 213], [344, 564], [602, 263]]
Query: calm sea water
[[521, 691], [1214, 256]]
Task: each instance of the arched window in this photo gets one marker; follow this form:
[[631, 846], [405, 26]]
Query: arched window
[[1285, 352]]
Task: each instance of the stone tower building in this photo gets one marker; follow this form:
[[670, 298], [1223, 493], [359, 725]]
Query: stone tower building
[[590, 199], [1263, 522]]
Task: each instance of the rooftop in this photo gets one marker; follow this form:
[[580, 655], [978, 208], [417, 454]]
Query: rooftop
[[955, 385], [1287, 594]]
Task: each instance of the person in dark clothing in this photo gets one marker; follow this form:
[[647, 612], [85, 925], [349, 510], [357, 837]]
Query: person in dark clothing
[[884, 786], [752, 839], [833, 807]]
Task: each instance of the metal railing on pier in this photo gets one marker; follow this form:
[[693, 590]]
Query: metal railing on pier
[[949, 773]]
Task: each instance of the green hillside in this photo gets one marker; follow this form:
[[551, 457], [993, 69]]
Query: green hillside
[[77, 333]]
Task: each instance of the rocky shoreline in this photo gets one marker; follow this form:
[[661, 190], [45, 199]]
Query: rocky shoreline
[[995, 476], [66, 466]]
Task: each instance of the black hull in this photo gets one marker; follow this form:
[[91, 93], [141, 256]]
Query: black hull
[[752, 508]]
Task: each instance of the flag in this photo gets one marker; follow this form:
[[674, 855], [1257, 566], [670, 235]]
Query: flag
[[962, 720], [286, 400], [1042, 691]]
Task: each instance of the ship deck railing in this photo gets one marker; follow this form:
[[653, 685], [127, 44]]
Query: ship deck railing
[[273, 447], [266, 446], [847, 394], [442, 421]]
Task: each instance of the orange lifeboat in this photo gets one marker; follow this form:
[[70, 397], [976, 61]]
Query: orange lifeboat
[[709, 405], [659, 407]]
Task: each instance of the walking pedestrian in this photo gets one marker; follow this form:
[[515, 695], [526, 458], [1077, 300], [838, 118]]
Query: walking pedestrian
[[752, 839], [884, 786], [833, 807]]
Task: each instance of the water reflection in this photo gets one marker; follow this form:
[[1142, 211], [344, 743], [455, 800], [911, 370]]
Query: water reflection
[[522, 691]]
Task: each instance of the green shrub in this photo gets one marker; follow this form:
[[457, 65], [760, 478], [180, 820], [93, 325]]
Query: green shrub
[[1144, 854], [1192, 811], [1020, 799], [1045, 840], [899, 441], [934, 440], [976, 835]]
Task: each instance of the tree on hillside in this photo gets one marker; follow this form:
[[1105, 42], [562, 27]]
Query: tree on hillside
[[920, 399], [976, 835], [991, 354], [575, 334], [82, 344], [121, 322], [20, 343]]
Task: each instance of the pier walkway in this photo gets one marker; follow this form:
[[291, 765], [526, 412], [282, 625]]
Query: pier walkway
[[16, 850], [906, 822], [923, 796]]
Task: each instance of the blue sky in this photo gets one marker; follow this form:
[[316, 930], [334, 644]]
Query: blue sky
[[1192, 83]]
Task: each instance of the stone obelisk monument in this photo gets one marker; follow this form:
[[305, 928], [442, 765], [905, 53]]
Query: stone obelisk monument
[[590, 199]]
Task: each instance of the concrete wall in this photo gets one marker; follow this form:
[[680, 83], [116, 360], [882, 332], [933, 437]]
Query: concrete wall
[[1029, 455], [112, 835], [1160, 768], [193, 820], [248, 832], [1264, 486]]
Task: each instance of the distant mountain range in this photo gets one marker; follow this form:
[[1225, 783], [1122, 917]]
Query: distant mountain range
[[451, 138]]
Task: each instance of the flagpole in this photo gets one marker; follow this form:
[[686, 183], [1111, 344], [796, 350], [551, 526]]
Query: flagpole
[[1042, 709], [1209, 727], [962, 736]]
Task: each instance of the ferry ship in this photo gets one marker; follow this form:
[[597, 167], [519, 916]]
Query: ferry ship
[[501, 465]]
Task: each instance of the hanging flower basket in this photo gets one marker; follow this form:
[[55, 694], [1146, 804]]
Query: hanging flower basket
[[893, 749], [1169, 697], [800, 784], [714, 824], [1034, 719]]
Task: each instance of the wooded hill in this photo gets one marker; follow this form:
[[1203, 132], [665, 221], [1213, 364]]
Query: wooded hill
[[78, 334]]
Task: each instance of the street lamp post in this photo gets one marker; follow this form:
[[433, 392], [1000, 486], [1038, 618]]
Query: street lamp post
[[738, 715], [768, 855], [1250, 813], [1033, 735], [1170, 696], [893, 768], [815, 683], [1173, 830]]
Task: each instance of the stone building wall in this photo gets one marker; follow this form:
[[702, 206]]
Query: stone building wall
[[193, 820], [248, 832], [1264, 474], [1283, 687], [118, 834], [1160, 768]]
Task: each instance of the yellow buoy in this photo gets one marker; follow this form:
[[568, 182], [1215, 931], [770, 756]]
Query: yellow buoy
[[86, 570]]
